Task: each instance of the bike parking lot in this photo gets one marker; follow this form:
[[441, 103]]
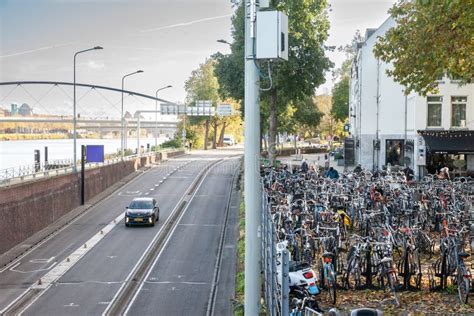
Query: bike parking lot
[[367, 240]]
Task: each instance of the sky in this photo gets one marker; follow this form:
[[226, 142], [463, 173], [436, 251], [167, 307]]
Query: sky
[[167, 39]]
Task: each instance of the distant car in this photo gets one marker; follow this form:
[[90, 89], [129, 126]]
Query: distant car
[[228, 140], [142, 211]]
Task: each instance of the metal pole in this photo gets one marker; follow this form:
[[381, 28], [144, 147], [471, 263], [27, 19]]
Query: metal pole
[[74, 136], [156, 122], [122, 131], [74, 133], [83, 174], [122, 143], [138, 135], [156, 114], [251, 162], [285, 287]]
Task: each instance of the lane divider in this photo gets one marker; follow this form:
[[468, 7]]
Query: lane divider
[[128, 291], [32, 293], [39, 288]]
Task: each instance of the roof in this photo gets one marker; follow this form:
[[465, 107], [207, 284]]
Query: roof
[[143, 199], [453, 141]]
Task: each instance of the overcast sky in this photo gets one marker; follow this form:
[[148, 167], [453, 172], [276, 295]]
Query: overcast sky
[[165, 38]]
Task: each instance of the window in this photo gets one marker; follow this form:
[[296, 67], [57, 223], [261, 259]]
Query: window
[[394, 152], [458, 111], [434, 111]]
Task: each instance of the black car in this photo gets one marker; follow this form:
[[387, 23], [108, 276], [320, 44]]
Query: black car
[[142, 211]]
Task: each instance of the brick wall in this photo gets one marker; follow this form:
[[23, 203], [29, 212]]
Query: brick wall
[[29, 207]]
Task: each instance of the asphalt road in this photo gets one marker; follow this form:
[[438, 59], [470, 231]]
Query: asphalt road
[[90, 284], [180, 281]]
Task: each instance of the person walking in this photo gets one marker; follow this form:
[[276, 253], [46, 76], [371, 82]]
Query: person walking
[[304, 166]]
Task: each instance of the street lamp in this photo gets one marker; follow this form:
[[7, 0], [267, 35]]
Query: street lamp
[[156, 114], [74, 134], [122, 134], [223, 42]]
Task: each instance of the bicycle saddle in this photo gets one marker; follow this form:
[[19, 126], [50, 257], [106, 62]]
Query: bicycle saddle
[[386, 259], [328, 254], [463, 254]]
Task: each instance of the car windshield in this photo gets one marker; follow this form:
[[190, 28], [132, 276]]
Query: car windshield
[[141, 205]]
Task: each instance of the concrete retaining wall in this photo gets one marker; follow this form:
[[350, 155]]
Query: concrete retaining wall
[[29, 207]]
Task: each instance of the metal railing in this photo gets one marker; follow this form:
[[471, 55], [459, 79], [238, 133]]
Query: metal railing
[[276, 295], [14, 175]]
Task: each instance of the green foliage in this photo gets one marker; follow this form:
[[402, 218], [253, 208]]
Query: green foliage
[[340, 99], [229, 68], [202, 84], [173, 143], [307, 116], [294, 80], [431, 37]]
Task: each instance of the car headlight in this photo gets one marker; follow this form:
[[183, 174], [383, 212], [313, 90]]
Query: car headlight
[[127, 219]]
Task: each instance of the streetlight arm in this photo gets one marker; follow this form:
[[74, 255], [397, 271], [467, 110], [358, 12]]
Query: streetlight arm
[[169, 86]]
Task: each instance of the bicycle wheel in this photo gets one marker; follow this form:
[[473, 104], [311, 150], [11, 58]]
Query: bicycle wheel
[[464, 285], [393, 283], [331, 283]]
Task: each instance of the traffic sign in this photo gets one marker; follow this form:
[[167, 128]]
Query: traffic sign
[[224, 110]]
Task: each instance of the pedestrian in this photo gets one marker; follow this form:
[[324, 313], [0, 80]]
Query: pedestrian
[[409, 173], [332, 173], [444, 174], [358, 169], [304, 166], [190, 145]]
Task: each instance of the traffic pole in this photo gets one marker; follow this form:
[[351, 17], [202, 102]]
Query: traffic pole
[[253, 195]]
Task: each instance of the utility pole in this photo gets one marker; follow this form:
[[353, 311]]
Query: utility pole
[[253, 196]]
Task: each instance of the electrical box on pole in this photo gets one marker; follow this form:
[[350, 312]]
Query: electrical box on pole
[[272, 35], [262, 4]]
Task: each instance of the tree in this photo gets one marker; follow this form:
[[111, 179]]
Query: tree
[[307, 117], [340, 91], [293, 80], [430, 38], [202, 85], [340, 99]]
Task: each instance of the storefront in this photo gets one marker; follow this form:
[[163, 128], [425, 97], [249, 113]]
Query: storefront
[[453, 149]]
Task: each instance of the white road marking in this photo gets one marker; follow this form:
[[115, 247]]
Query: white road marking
[[170, 234], [13, 269], [52, 276], [71, 305], [171, 282], [204, 225], [42, 260], [90, 282]]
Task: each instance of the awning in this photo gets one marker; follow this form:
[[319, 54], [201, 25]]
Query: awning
[[451, 142]]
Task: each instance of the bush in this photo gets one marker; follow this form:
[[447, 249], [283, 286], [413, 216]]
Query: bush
[[174, 143], [338, 156]]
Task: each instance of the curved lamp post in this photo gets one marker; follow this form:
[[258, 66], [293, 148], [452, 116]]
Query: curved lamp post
[[74, 133], [156, 113], [122, 134]]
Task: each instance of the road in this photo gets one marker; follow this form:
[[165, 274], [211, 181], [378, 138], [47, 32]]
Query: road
[[83, 267]]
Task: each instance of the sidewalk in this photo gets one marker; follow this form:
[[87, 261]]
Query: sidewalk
[[311, 159]]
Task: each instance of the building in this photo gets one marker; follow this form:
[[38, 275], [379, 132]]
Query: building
[[387, 127], [25, 110], [4, 112], [14, 109]]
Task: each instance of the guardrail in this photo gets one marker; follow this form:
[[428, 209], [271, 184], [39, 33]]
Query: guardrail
[[15, 175], [276, 295]]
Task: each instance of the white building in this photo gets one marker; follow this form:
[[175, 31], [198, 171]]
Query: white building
[[388, 127]]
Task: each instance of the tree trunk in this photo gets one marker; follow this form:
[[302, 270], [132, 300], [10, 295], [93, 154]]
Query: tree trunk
[[272, 152], [206, 134], [221, 136], [214, 136]]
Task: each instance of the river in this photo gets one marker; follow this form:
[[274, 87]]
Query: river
[[21, 152]]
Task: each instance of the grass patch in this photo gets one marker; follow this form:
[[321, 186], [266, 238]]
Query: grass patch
[[240, 277]]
